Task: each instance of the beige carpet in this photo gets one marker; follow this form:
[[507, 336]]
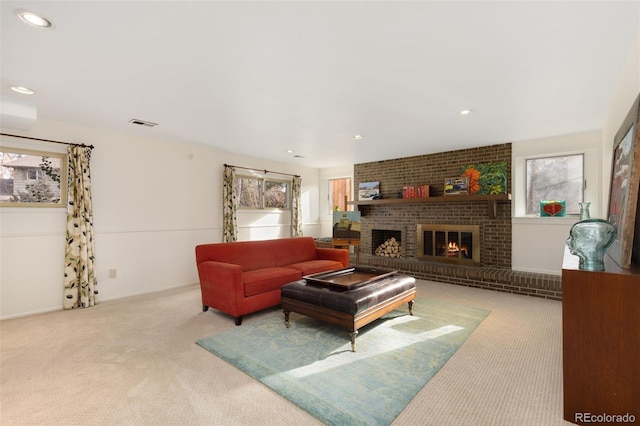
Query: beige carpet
[[135, 362]]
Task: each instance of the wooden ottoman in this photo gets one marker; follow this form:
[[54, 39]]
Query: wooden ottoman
[[351, 297]]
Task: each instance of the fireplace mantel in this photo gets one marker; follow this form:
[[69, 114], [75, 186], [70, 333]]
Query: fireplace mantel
[[491, 201]]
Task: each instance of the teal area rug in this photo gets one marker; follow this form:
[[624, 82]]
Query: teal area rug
[[311, 363]]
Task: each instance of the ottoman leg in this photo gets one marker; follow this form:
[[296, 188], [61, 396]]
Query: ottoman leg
[[353, 335], [286, 318], [410, 307]]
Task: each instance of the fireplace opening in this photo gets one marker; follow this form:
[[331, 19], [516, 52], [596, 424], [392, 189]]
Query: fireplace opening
[[449, 243], [385, 242]]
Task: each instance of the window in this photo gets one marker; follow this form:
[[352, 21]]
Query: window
[[248, 192], [555, 178], [276, 194], [338, 190], [32, 178], [259, 193]]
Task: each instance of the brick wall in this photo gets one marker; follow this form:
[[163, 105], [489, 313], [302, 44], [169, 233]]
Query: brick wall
[[432, 169], [495, 233]]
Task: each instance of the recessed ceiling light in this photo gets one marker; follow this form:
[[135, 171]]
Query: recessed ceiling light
[[22, 90], [289, 151], [33, 19], [358, 137], [465, 112]]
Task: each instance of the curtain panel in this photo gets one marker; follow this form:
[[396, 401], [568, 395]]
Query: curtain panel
[[80, 282], [296, 213], [229, 214]]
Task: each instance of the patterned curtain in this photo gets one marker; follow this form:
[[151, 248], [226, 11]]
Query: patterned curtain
[[296, 214], [80, 283], [229, 218]]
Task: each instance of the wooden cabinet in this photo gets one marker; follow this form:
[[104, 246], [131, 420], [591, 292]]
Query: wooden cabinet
[[601, 342]]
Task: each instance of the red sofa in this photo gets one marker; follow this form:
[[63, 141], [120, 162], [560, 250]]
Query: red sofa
[[242, 277]]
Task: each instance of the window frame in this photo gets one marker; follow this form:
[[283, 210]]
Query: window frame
[[588, 143], [64, 169], [29, 174], [287, 196], [583, 186], [263, 181]]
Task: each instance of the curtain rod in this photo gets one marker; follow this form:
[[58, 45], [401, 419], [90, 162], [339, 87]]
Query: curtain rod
[[260, 170], [47, 140]]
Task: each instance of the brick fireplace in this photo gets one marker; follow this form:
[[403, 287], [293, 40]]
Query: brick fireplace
[[490, 267], [494, 234]]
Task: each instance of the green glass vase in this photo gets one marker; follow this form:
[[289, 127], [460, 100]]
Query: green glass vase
[[589, 239], [584, 210]]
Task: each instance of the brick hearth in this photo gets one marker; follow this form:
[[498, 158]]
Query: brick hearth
[[500, 279]]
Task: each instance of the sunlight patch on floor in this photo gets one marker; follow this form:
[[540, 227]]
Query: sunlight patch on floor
[[402, 339]]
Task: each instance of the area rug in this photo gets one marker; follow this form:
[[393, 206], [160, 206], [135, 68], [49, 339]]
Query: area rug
[[311, 363]]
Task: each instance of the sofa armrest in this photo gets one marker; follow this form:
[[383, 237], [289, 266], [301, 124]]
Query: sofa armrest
[[221, 284], [339, 255]]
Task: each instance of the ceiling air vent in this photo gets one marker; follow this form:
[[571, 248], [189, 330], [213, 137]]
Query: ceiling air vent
[[142, 122]]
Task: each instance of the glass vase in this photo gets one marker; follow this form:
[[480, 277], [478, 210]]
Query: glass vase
[[589, 239], [584, 211]]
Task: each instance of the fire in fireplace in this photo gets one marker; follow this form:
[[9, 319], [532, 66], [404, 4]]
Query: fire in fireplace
[[449, 243]]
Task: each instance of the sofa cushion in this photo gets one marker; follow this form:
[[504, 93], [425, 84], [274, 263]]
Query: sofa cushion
[[250, 255], [293, 250], [315, 266], [268, 279]]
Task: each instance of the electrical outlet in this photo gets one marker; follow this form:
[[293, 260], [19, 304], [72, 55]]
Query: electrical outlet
[[113, 273]]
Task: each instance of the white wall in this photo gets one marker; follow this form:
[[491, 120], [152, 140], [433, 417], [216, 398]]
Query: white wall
[[153, 200], [538, 242], [627, 89]]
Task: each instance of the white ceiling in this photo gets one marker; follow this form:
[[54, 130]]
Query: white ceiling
[[259, 78]]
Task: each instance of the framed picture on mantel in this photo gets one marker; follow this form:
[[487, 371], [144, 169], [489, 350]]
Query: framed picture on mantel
[[623, 194], [368, 190], [456, 186]]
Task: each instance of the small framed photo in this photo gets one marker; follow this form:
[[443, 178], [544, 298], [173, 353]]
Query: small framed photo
[[368, 190], [456, 186]]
